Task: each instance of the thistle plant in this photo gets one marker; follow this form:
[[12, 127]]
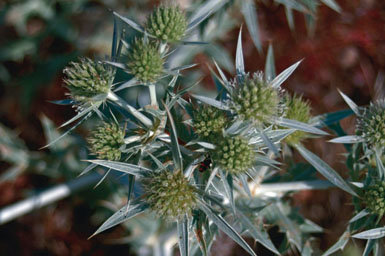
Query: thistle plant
[[374, 198], [106, 142], [167, 23], [145, 61], [240, 133]]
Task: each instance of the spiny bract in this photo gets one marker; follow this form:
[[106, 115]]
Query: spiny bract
[[371, 125], [106, 142], [299, 110], [209, 121], [169, 194], [234, 154], [255, 100], [167, 23], [145, 61], [87, 79], [374, 198]]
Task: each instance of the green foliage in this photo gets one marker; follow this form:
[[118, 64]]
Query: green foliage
[[170, 194], [88, 79], [255, 100], [234, 154], [106, 142], [167, 23], [145, 61]]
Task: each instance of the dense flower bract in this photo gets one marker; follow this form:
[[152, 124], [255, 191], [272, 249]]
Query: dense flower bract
[[209, 121], [106, 142], [169, 194], [374, 197]]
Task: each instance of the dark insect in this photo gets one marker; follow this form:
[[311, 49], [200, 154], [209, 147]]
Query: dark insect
[[206, 164]]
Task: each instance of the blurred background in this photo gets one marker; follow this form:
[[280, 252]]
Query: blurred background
[[38, 38]]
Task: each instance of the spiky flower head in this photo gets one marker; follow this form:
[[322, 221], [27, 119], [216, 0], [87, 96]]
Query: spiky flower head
[[167, 23], [296, 109], [255, 100], [106, 142], [169, 194], [88, 80], [145, 61], [374, 198], [209, 121], [234, 154], [371, 125]]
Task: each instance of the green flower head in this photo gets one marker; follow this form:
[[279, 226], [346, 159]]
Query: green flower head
[[371, 125], [374, 198], [170, 195], [209, 121], [87, 80], [234, 154], [106, 142], [145, 61], [167, 23], [255, 100], [299, 110]]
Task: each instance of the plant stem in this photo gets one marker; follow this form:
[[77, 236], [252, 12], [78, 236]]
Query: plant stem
[[152, 90], [46, 197]]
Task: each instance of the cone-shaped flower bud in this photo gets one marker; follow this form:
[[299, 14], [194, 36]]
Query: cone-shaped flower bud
[[106, 142], [371, 125], [299, 110], [255, 100], [209, 121], [170, 195], [87, 79], [145, 61], [374, 197], [234, 154], [167, 23]]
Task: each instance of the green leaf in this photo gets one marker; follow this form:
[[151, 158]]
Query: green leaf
[[371, 234], [325, 169], [225, 227], [299, 126], [270, 64], [176, 154], [380, 166], [183, 236], [284, 75], [268, 142], [250, 14], [239, 62], [332, 4], [204, 11], [350, 103], [123, 167], [130, 22], [82, 113], [359, 215], [228, 185], [290, 17], [331, 118], [210, 101], [260, 236], [369, 246], [340, 245], [122, 215], [349, 139]]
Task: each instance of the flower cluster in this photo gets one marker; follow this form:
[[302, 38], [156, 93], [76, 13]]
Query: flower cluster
[[170, 194], [299, 110], [371, 125], [88, 79], [255, 99], [209, 121], [374, 198], [234, 154], [167, 23], [145, 61], [106, 142]]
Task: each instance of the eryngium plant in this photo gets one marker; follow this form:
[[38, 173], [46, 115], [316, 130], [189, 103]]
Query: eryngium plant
[[207, 177], [167, 23], [106, 142], [374, 198], [88, 80]]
